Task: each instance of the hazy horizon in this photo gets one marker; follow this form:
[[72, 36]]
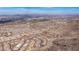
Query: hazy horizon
[[39, 10]]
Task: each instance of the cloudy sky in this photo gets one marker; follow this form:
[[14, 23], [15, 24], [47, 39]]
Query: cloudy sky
[[40, 10]]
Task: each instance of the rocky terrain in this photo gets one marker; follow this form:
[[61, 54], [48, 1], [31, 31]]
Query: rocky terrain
[[56, 34]]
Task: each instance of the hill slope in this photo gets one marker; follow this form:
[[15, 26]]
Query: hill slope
[[52, 35]]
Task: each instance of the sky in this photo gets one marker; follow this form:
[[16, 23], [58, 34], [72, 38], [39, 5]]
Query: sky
[[39, 10]]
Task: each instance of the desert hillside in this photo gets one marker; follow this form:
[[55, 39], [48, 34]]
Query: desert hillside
[[49, 35]]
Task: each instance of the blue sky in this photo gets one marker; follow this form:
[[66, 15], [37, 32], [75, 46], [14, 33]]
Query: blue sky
[[40, 10]]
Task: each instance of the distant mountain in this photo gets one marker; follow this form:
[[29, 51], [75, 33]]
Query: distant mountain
[[29, 17]]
